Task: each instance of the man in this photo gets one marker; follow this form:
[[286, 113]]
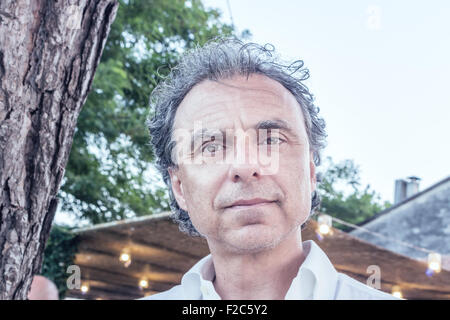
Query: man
[[237, 139]]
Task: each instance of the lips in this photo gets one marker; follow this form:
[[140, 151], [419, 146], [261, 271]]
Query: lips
[[250, 202]]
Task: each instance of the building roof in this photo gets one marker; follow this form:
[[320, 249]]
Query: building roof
[[444, 181], [162, 254], [422, 220]]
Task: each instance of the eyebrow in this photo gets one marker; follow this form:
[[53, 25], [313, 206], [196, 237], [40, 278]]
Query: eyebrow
[[264, 124], [275, 124]]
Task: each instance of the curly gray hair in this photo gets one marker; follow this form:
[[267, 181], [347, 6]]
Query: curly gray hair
[[218, 59]]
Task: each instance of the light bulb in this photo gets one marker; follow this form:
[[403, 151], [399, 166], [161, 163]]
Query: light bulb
[[325, 223], [143, 284], [84, 288], [396, 292], [124, 257], [434, 262], [324, 229]]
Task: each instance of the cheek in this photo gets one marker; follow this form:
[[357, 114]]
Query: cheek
[[200, 188], [201, 184], [294, 173]]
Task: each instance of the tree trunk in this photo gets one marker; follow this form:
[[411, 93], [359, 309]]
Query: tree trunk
[[49, 51]]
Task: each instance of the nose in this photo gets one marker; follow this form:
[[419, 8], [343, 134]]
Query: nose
[[244, 172], [244, 165]]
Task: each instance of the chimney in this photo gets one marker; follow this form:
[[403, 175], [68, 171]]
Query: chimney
[[405, 188]]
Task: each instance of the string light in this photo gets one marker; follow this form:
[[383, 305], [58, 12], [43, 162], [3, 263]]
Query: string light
[[125, 257], [396, 292], [434, 259], [325, 222], [84, 288], [143, 284], [434, 263]]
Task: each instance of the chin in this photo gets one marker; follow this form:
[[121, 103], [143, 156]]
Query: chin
[[252, 239]]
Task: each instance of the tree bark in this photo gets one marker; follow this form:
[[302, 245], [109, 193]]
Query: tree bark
[[49, 51]]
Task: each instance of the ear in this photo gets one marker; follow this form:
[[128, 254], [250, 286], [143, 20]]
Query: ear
[[177, 188], [312, 172]]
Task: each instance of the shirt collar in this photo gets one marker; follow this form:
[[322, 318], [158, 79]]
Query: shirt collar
[[316, 274], [197, 282], [316, 278]]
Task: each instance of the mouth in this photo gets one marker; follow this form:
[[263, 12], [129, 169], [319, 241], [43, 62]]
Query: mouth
[[252, 203]]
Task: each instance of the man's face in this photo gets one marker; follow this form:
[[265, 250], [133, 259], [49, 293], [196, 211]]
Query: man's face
[[207, 189]]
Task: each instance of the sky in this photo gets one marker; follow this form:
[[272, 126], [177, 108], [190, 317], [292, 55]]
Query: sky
[[380, 75]]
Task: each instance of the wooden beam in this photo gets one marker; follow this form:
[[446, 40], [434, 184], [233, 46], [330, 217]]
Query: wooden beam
[[137, 268], [123, 238], [117, 279], [139, 252]]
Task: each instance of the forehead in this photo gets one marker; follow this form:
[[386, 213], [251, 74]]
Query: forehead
[[237, 101]]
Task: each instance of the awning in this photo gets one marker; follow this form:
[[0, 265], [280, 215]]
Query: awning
[[161, 254]]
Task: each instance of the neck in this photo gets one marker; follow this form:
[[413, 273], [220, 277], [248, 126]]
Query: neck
[[264, 275]]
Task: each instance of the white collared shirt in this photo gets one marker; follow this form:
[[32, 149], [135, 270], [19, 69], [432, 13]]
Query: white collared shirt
[[316, 279]]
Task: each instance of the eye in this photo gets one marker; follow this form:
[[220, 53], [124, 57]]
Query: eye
[[272, 140], [212, 148]]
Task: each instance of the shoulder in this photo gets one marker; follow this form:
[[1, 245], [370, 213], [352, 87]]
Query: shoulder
[[351, 289], [189, 288], [175, 293]]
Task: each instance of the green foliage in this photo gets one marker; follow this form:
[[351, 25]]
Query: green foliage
[[343, 197], [108, 176], [59, 253]]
